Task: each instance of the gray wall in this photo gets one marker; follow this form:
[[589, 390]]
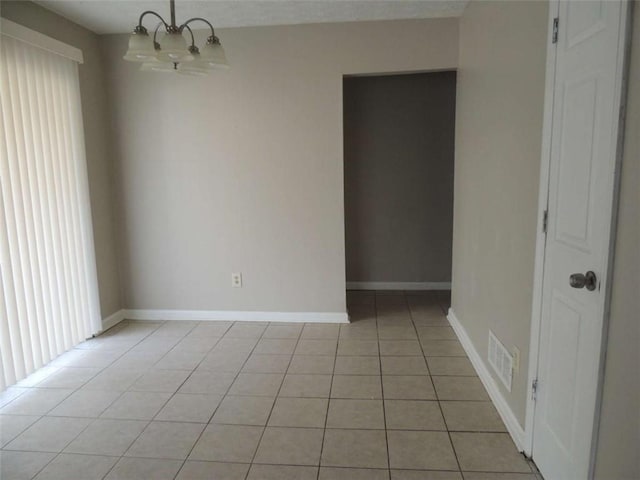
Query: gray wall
[[501, 79], [97, 136], [619, 440], [399, 136], [242, 171]]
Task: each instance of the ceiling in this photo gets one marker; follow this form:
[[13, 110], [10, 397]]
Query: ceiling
[[120, 16]]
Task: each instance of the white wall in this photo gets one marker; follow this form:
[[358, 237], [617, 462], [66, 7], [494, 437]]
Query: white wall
[[501, 78], [619, 439], [242, 171]]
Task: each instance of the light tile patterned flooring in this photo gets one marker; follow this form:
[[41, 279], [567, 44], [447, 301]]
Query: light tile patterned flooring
[[389, 396]]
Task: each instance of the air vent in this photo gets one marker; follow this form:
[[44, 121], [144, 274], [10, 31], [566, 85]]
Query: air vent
[[501, 360]]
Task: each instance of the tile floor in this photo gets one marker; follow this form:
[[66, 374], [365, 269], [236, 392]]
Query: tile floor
[[389, 396]]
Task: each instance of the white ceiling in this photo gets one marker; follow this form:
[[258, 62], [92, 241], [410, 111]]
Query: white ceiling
[[120, 16]]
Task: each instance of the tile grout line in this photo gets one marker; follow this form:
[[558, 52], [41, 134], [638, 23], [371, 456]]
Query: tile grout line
[[200, 362], [282, 464], [20, 432], [226, 393], [275, 398], [384, 403], [93, 419], [76, 389], [178, 389], [151, 420], [326, 417], [435, 392]]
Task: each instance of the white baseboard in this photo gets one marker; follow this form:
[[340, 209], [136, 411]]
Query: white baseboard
[[238, 316], [112, 320], [507, 415], [398, 285]]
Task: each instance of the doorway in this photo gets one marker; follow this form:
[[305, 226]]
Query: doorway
[[399, 134], [578, 187]]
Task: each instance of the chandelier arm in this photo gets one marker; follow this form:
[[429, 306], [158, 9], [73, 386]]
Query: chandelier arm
[[202, 20], [155, 34], [193, 40], [151, 12]]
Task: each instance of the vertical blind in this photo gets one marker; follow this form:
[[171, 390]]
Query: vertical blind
[[49, 297]]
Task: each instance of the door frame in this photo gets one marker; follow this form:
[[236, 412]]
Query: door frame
[[622, 74]]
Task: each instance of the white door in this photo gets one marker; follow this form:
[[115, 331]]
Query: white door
[[586, 106]]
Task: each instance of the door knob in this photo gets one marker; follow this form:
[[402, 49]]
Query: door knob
[[587, 280]]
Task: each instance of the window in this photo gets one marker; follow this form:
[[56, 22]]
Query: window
[[49, 298]]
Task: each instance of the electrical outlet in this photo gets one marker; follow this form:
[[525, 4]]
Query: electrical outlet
[[516, 359], [236, 280]]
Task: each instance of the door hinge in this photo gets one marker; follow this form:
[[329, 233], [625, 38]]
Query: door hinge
[[554, 35], [545, 221], [534, 390]]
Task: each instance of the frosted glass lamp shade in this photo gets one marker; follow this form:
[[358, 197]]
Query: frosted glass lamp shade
[[213, 55], [196, 68], [173, 48], [141, 48], [157, 66]]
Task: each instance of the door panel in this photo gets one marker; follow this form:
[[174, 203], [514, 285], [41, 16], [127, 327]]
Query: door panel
[[577, 124], [581, 181], [584, 21], [562, 366]]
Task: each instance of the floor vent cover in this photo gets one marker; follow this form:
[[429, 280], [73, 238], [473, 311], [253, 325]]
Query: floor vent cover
[[501, 360]]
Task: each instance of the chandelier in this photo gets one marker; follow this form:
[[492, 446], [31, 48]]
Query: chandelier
[[170, 52]]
